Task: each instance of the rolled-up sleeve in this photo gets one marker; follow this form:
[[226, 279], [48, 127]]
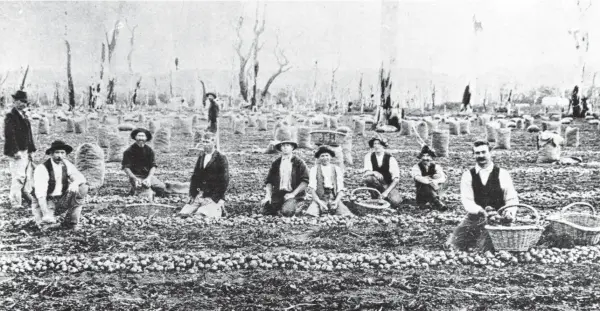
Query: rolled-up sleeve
[[40, 181], [394, 169], [510, 194], [467, 196], [312, 178], [340, 179], [151, 158], [75, 175], [440, 176], [368, 166]]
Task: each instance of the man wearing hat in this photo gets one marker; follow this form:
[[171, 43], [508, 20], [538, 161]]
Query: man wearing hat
[[209, 182], [381, 171], [58, 187], [286, 181], [326, 185], [139, 164], [213, 112], [18, 146], [428, 177]]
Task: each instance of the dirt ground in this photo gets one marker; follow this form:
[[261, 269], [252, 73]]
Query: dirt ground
[[108, 231]]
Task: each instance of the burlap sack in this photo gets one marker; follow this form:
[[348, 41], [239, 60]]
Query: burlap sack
[[162, 140], [89, 160], [440, 141], [503, 138], [572, 136]]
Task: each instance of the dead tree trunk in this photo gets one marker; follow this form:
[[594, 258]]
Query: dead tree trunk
[[111, 44], [130, 54], [259, 27], [70, 79], [284, 65], [25, 77], [203, 92], [135, 92]]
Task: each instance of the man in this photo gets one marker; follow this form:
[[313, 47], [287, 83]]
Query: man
[[18, 147], [428, 177], [483, 188], [140, 165], [213, 112], [58, 187], [286, 181], [209, 182], [326, 185], [381, 171]]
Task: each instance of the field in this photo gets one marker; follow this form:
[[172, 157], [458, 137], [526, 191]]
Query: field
[[249, 262]]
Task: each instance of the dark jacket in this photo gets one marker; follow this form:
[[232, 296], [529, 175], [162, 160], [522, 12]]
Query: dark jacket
[[299, 174], [139, 160], [213, 111], [17, 133], [213, 180]]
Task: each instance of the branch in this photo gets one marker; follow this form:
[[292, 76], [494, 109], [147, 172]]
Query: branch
[[4, 80], [284, 65]]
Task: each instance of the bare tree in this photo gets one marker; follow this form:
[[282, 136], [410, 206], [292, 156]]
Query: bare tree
[[135, 92], [131, 40], [111, 43], [203, 92], [258, 29], [69, 79], [284, 65], [25, 78]]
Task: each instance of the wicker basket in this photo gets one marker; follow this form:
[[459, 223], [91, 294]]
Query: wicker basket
[[369, 207], [149, 210], [325, 137], [583, 228], [516, 238]]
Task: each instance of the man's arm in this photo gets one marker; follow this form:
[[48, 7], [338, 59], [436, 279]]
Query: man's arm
[[415, 173], [395, 172], [467, 196], [302, 171], [152, 165], [340, 184], [75, 175], [194, 180], [439, 177], [10, 138], [368, 167], [40, 182], [223, 180]]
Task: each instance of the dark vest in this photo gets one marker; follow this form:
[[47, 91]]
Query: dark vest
[[491, 194], [52, 179], [384, 169], [426, 171]]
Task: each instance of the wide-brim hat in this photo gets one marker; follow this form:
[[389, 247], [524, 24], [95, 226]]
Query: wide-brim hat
[[381, 140], [426, 150], [211, 94], [145, 131], [20, 96], [324, 149], [59, 145], [291, 142]]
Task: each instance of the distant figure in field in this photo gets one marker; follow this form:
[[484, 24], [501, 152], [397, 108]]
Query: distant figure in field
[[139, 163], [18, 147], [213, 112], [209, 182], [286, 181], [59, 187]]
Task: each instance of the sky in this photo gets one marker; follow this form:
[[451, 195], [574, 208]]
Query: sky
[[431, 35]]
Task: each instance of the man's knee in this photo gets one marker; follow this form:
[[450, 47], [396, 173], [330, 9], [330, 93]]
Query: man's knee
[[289, 208], [83, 191]]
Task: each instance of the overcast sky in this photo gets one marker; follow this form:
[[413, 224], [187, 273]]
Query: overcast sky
[[435, 35]]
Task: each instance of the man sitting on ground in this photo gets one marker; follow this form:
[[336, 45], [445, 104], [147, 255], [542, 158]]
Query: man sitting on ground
[[209, 182], [326, 184], [428, 177], [382, 172], [139, 164], [58, 187], [286, 181], [483, 188]]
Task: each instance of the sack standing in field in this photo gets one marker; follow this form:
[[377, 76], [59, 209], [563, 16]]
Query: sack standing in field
[[503, 138], [139, 163], [115, 148], [44, 126], [89, 160], [440, 142], [572, 136], [162, 140], [549, 147], [346, 145], [423, 130]]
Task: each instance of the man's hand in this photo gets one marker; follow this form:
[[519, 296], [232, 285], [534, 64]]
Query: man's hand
[[146, 182], [289, 196], [323, 206], [265, 201], [511, 214], [385, 194], [435, 185], [73, 188]]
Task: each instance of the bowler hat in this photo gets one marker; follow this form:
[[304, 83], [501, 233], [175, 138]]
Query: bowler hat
[[211, 94], [20, 96], [59, 145], [426, 150], [381, 140], [324, 149], [145, 131]]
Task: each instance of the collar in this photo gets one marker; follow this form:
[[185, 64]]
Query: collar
[[288, 158], [210, 154], [487, 169]]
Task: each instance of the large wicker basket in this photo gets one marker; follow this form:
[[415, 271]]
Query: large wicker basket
[[583, 228], [369, 207], [516, 238], [327, 137]]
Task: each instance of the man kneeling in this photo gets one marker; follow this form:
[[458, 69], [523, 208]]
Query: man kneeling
[[59, 187], [326, 184], [209, 183], [139, 164], [428, 177]]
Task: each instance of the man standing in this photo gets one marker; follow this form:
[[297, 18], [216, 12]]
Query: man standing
[[59, 187], [428, 177], [326, 184], [286, 181], [139, 164], [381, 171], [209, 182], [483, 188], [213, 112], [18, 146]]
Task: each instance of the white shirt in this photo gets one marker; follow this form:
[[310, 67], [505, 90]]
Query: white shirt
[[207, 158], [285, 174], [466, 189], [394, 169], [438, 178], [41, 177], [327, 177]]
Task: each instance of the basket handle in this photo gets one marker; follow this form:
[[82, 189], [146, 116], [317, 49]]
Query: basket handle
[[579, 203], [366, 188], [535, 212]]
